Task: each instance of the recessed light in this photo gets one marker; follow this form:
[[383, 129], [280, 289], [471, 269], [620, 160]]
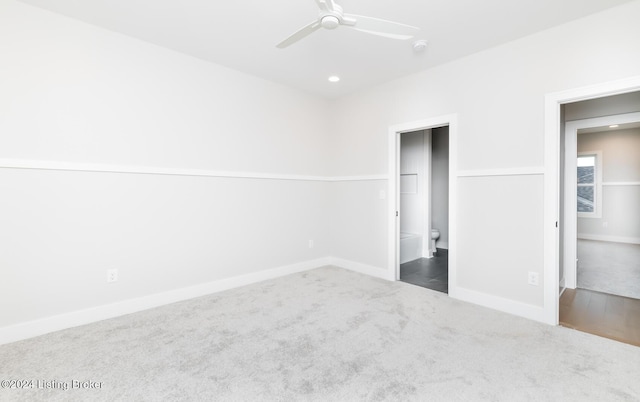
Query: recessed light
[[613, 126], [334, 78]]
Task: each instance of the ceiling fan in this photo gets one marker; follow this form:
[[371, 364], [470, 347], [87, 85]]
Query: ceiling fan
[[331, 17]]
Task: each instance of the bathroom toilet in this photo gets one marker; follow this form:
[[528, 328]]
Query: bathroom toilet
[[435, 234]]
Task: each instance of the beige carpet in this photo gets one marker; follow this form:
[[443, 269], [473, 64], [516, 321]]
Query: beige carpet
[[323, 335]]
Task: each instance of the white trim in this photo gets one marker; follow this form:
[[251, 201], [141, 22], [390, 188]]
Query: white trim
[[59, 322], [356, 178], [106, 168], [623, 118], [570, 192], [562, 287], [613, 239], [601, 90], [525, 310], [452, 238], [522, 171], [427, 150], [361, 268], [393, 206], [621, 183], [553, 102]]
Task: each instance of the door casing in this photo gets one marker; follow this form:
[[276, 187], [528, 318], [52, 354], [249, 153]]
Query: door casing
[[552, 190], [393, 240]]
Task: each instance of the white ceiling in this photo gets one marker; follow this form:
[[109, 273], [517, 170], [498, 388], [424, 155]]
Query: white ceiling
[[242, 34]]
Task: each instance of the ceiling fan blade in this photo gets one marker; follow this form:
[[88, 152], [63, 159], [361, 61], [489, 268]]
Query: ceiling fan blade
[[326, 5], [301, 33], [388, 29]]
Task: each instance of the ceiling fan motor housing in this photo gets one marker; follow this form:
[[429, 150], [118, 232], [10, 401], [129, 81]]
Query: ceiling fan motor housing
[[330, 22]]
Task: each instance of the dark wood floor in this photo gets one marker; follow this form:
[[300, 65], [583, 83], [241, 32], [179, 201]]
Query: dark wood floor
[[430, 273], [610, 316]]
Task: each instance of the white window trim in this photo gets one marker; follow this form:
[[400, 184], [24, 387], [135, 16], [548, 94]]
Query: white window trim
[[597, 213]]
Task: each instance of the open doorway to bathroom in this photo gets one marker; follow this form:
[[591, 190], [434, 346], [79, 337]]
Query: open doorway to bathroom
[[424, 208]]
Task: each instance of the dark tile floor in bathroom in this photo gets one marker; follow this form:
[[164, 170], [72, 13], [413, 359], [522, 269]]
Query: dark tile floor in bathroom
[[431, 273]]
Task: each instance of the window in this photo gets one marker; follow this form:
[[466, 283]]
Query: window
[[586, 183], [589, 185]]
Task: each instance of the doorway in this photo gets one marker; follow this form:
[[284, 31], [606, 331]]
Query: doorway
[[594, 216], [608, 231], [597, 206], [555, 220], [601, 194], [424, 208], [428, 260], [602, 224]]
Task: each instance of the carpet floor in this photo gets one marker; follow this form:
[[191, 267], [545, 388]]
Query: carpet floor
[[608, 267], [321, 335]]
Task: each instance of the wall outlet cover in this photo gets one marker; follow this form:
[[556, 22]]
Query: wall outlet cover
[[112, 275]]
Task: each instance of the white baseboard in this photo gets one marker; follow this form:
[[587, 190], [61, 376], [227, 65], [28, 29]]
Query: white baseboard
[[59, 322], [614, 239], [529, 311], [363, 268], [442, 244]]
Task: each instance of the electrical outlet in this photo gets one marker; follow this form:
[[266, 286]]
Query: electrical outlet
[[311, 244], [533, 278], [605, 224], [112, 275]]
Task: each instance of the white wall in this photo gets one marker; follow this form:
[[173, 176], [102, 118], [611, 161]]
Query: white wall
[[357, 216], [74, 93], [621, 185], [440, 184], [412, 198], [498, 96]]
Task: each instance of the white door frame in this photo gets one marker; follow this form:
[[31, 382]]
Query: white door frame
[[450, 120], [553, 103], [570, 223], [426, 251]]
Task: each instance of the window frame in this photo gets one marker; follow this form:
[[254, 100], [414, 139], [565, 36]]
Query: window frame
[[597, 185]]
